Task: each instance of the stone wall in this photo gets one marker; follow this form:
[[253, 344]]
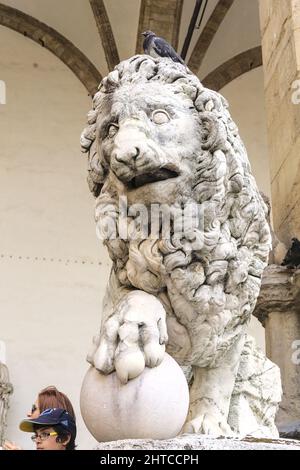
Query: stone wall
[[280, 29]]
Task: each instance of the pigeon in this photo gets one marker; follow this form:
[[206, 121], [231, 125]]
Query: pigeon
[[292, 258], [159, 47]]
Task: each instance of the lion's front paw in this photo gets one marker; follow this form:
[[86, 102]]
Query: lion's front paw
[[133, 337], [213, 425]]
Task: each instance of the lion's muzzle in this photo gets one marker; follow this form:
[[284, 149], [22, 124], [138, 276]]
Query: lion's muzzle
[[129, 151], [138, 160]]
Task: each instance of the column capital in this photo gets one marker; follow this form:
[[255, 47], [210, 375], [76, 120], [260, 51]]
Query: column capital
[[280, 292]]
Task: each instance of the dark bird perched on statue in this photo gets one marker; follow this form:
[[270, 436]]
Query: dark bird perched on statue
[[292, 258], [158, 47]]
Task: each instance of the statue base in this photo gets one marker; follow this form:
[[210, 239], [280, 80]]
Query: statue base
[[201, 442]]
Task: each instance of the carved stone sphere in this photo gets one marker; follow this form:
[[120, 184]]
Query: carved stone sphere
[[153, 405]]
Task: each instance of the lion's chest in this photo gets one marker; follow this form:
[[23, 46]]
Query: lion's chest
[[200, 324]]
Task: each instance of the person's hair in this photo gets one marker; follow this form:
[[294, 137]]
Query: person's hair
[[50, 397], [63, 434]]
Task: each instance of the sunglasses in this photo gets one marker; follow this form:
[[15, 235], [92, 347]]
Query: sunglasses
[[33, 408], [43, 436]]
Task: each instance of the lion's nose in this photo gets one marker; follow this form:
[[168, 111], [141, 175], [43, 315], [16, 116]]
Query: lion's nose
[[127, 155]]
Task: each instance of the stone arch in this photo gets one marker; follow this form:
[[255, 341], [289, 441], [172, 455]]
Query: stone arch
[[162, 17], [208, 33], [233, 68], [55, 42], [106, 33]]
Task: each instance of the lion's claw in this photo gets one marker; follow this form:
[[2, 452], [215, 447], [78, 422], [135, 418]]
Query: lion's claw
[[133, 337], [213, 425]]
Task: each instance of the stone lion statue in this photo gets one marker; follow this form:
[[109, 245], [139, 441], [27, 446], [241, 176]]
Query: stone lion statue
[[156, 136]]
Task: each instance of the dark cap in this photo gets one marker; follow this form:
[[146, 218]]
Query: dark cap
[[51, 417]]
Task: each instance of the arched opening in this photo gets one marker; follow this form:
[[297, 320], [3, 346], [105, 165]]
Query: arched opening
[[51, 288]]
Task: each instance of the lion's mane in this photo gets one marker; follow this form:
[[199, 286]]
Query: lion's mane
[[211, 291]]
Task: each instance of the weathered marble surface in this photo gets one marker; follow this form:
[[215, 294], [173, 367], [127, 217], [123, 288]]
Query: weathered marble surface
[[290, 431], [6, 390], [157, 136], [279, 249], [196, 442], [153, 405], [256, 394]]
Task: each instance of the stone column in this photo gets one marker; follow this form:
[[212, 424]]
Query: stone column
[[278, 309], [280, 30], [5, 390]]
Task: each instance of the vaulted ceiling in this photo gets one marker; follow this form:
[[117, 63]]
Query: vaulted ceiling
[[92, 36]]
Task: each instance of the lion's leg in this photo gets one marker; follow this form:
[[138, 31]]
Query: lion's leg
[[132, 336], [210, 395]]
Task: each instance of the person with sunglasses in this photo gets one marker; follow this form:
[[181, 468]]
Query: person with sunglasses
[[54, 429], [49, 397]]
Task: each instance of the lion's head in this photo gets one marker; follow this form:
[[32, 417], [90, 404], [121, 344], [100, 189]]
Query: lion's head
[[156, 135]]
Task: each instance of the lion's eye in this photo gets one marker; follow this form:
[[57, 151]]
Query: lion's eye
[[112, 130], [160, 116]]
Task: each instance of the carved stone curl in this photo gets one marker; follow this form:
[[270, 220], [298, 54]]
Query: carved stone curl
[[6, 390], [157, 136]]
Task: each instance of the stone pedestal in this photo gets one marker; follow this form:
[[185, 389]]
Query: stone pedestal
[[5, 390], [278, 309], [188, 442]]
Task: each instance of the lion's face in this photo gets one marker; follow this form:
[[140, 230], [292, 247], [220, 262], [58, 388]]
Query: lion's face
[[149, 137]]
